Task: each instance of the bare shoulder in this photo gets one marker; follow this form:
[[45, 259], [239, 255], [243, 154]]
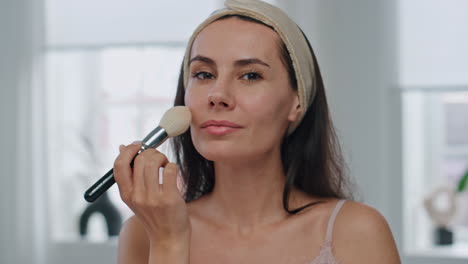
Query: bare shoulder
[[362, 235], [133, 243]]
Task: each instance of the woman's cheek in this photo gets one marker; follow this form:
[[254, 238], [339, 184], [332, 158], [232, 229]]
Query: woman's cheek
[[188, 96], [194, 95], [258, 103]]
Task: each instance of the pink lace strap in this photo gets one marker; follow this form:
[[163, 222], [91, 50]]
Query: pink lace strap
[[331, 221]]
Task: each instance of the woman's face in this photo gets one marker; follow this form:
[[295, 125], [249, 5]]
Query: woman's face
[[238, 91]]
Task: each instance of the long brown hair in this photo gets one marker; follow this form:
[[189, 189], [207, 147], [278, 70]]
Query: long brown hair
[[311, 155]]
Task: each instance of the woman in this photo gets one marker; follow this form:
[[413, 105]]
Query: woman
[[262, 170]]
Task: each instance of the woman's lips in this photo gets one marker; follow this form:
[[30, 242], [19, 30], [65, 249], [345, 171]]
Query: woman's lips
[[220, 128]]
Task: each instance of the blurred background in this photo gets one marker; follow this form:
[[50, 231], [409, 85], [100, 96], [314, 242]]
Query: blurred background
[[78, 78]]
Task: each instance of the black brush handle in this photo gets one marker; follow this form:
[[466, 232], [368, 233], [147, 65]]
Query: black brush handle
[[152, 140], [100, 187], [103, 184]]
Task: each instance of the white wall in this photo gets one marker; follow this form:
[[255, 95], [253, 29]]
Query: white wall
[[124, 22], [434, 42], [10, 69], [17, 44]]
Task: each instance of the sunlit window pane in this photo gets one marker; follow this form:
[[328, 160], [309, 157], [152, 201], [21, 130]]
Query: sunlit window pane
[[97, 100], [121, 73], [157, 73], [455, 167], [456, 127]]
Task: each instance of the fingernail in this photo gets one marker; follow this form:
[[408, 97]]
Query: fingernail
[[161, 178], [121, 147], [136, 142]]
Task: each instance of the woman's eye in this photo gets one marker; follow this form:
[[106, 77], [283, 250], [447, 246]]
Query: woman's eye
[[203, 75], [252, 76]]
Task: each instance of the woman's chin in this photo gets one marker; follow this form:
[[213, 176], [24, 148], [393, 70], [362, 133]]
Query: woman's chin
[[233, 151], [222, 153], [220, 156]]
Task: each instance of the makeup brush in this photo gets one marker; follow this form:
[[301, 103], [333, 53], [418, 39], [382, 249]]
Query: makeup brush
[[173, 123]]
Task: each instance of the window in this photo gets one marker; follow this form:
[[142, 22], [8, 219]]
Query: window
[[100, 99], [435, 155], [433, 66]]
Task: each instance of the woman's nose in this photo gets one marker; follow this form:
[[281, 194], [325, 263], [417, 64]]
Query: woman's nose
[[219, 98]]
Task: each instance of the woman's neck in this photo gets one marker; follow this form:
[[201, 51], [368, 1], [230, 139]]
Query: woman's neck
[[247, 195]]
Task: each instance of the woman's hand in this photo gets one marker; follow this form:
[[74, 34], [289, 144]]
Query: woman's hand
[[160, 207]]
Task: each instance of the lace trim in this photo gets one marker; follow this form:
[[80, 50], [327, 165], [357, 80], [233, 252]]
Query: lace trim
[[326, 255]]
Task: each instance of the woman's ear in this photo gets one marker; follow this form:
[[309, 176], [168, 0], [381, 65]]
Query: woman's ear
[[295, 110]]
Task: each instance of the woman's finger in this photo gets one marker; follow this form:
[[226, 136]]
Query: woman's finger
[[170, 177], [122, 169], [138, 173], [158, 160]]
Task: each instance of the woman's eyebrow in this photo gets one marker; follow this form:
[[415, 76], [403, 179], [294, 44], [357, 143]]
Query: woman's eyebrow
[[237, 63], [202, 59], [249, 61]]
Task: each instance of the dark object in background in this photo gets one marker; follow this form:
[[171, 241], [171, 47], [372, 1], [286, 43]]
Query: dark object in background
[[104, 206], [443, 236]]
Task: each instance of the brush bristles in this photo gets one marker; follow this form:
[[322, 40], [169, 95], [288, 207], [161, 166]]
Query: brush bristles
[[176, 120]]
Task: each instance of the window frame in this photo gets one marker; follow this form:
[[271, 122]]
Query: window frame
[[425, 133]]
